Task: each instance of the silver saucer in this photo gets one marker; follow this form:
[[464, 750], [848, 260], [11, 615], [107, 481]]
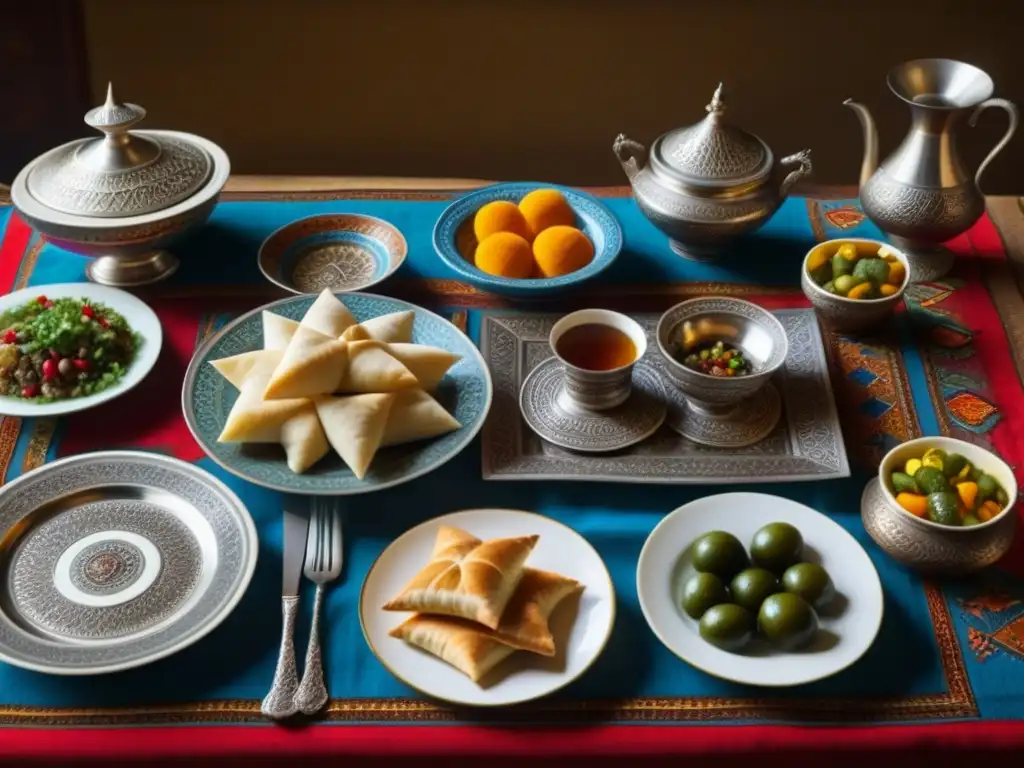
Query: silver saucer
[[549, 412], [112, 560], [746, 423]]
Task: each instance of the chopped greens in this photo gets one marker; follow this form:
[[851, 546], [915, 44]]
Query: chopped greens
[[54, 349]]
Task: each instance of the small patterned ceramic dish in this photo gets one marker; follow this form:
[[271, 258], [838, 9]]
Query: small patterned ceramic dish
[[929, 546], [207, 398], [845, 314], [455, 242], [340, 251], [112, 560]]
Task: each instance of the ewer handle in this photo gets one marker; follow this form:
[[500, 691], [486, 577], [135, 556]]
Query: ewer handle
[[1011, 110]]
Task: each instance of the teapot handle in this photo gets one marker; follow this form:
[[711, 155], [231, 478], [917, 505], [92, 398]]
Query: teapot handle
[[630, 153], [1011, 110], [804, 159]]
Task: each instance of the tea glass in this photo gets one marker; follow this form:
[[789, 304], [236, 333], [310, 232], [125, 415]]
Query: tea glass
[[598, 390]]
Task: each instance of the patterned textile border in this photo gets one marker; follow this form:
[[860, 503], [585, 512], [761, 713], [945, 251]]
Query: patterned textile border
[[955, 703]]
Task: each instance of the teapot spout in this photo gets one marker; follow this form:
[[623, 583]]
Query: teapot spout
[[870, 162]]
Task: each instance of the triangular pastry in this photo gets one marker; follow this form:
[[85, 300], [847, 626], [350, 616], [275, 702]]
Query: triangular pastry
[[390, 328], [524, 623], [355, 426], [277, 331], [253, 419], [303, 439], [313, 364], [475, 650], [371, 368], [328, 315], [474, 584], [427, 364], [415, 415], [237, 367], [461, 643]]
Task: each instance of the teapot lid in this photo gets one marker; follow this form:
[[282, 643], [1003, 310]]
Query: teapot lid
[[124, 173], [712, 153]]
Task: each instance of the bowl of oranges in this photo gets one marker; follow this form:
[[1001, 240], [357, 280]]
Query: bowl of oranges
[[527, 239]]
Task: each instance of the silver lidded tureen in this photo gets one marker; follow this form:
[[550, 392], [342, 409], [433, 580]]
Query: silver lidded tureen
[[124, 197], [707, 183]]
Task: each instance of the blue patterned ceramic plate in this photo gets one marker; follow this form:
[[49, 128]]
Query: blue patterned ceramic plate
[[207, 398], [453, 236], [339, 251]]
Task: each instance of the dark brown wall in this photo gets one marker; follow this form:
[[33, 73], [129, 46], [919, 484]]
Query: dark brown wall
[[534, 88]]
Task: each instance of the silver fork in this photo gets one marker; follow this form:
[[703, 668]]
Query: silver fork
[[323, 565]]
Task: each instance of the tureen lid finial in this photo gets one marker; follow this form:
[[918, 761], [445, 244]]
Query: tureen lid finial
[[717, 105]]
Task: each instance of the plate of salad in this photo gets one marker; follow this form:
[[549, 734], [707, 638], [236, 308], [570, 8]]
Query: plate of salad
[[72, 346]]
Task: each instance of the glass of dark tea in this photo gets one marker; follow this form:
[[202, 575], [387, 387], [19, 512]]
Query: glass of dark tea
[[598, 349]]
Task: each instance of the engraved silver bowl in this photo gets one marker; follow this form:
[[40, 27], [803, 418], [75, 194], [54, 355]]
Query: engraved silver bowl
[[739, 323], [845, 314], [124, 198], [927, 546]]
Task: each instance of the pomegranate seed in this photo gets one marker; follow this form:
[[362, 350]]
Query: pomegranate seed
[[49, 370], [30, 391], [103, 322], [80, 364], [42, 300], [88, 311], [10, 336]]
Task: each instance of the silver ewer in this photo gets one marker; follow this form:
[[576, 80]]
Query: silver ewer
[[922, 194]]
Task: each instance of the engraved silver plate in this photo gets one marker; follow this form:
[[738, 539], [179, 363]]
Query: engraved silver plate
[[550, 413], [112, 560], [807, 444], [749, 421]]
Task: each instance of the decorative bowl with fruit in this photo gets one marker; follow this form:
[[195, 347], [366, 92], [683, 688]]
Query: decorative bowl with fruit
[[527, 239], [854, 283], [943, 505]]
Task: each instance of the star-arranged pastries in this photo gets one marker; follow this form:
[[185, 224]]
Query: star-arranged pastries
[[329, 381], [477, 603]]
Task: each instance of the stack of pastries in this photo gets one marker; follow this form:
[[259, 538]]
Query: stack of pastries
[[477, 603], [332, 382]]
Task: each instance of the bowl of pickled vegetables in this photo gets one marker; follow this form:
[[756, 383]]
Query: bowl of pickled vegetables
[[943, 504], [854, 283]]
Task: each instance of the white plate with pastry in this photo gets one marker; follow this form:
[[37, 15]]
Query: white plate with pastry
[[488, 607], [329, 395]]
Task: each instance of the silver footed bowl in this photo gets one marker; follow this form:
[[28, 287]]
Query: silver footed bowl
[[741, 324], [930, 547], [851, 315]]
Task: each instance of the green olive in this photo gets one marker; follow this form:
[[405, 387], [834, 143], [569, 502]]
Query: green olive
[[701, 592], [728, 626], [811, 582], [749, 588], [787, 620], [777, 546], [719, 553]]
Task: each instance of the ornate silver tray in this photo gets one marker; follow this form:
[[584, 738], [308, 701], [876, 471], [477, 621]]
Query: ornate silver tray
[[807, 444], [115, 559]]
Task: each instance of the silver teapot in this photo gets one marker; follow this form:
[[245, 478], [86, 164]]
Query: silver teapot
[[922, 195], [705, 184]]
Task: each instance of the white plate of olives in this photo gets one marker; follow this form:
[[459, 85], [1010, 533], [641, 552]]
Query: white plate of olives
[[758, 589]]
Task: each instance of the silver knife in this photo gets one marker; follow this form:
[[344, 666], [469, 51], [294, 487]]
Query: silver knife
[[279, 703]]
